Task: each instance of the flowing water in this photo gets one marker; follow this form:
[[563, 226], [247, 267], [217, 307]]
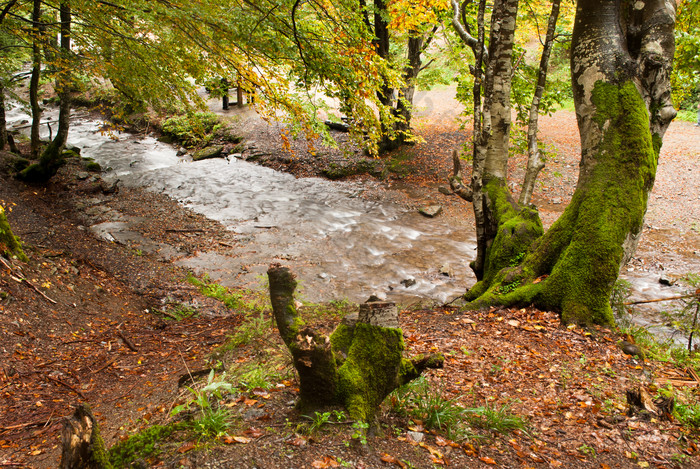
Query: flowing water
[[341, 244]]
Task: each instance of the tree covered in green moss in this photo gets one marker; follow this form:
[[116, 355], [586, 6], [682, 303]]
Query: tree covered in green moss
[[9, 245], [620, 62]]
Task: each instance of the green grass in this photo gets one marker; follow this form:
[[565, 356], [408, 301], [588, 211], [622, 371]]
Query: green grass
[[145, 445], [424, 402], [687, 116]]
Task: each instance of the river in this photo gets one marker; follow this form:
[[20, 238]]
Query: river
[[341, 245]]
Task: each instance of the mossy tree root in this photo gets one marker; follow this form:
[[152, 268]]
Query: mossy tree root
[[9, 245], [356, 367], [573, 267]]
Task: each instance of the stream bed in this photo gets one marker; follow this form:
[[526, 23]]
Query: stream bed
[[341, 244]]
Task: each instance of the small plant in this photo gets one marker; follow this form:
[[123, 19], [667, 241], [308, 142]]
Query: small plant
[[423, 401], [180, 311], [517, 259], [231, 300], [618, 298], [495, 419], [687, 318], [509, 287], [689, 414], [587, 450], [360, 432], [319, 419], [211, 421], [146, 444]]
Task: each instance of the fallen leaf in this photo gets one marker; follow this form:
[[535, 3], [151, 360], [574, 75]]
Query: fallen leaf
[[392, 460], [325, 463], [254, 432], [433, 451], [440, 441], [236, 439], [298, 441], [188, 446], [487, 460]]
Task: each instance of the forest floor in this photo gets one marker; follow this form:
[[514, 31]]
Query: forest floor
[[86, 320]]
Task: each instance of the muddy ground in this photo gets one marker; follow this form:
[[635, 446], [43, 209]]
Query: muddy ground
[[83, 321]]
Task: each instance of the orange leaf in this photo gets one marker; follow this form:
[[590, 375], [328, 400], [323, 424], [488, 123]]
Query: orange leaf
[[487, 460], [188, 446], [392, 460], [325, 463], [254, 432], [236, 439]]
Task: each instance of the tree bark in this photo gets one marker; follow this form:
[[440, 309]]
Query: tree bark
[[621, 58], [52, 157], [3, 119], [535, 163], [64, 81], [82, 445], [37, 30], [357, 366]]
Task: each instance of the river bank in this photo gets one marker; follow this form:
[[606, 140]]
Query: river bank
[[107, 290]]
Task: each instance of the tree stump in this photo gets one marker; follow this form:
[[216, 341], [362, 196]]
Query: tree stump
[[83, 447], [357, 366]]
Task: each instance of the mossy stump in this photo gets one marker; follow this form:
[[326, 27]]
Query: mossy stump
[[82, 445], [357, 366]]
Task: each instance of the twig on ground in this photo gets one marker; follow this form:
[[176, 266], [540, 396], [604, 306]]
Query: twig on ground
[[77, 391], [127, 341]]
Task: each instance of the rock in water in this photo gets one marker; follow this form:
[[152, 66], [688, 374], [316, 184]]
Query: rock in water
[[212, 151], [431, 210]]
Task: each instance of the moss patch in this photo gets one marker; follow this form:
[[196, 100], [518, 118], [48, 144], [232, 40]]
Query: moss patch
[[371, 370], [9, 244]]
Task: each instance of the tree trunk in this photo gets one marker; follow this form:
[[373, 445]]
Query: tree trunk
[[52, 157], [9, 245], [64, 81], [34, 80], [3, 121], [621, 58], [494, 209], [83, 447], [357, 366], [535, 164]]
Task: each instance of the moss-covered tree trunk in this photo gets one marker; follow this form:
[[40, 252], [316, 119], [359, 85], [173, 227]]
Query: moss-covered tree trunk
[[37, 32], [357, 366], [9, 245], [621, 57], [52, 156]]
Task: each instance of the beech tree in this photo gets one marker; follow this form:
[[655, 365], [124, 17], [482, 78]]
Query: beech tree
[[621, 60]]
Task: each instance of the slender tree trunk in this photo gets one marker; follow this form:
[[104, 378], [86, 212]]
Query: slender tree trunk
[[37, 30], [64, 82], [51, 158], [621, 59], [405, 102], [489, 187], [3, 121], [535, 162]]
